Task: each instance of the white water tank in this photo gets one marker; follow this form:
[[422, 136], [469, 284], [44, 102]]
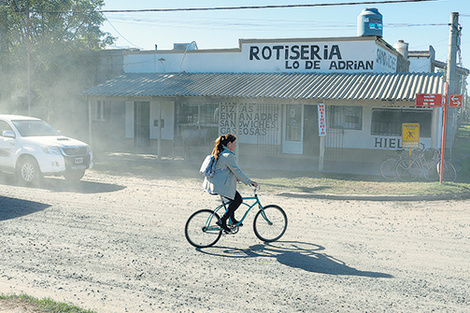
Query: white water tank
[[401, 47], [369, 23]]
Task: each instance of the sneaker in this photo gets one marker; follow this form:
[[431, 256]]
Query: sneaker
[[233, 221], [223, 225]]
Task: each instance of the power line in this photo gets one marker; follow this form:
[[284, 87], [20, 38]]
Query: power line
[[250, 7], [118, 31]]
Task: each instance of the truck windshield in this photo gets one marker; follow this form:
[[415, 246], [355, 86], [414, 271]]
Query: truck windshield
[[34, 128]]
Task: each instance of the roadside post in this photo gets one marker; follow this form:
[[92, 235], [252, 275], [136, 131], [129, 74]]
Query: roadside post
[[322, 134], [439, 100]]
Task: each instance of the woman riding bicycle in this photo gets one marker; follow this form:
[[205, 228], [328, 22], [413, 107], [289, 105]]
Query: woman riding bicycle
[[225, 178]]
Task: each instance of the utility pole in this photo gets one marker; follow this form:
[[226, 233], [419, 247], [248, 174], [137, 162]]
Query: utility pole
[[4, 54], [452, 78], [28, 52]]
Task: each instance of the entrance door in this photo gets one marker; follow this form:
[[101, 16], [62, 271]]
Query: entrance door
[[311, 138], [293, 129], [142, 123]]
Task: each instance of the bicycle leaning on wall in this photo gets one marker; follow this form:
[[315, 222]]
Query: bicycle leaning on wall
[[269, 224], [388, 168], [425, 163]]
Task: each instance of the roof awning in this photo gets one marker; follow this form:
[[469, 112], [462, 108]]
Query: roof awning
[[335, 86]]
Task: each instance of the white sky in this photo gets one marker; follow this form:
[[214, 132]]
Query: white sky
[[223, 29]]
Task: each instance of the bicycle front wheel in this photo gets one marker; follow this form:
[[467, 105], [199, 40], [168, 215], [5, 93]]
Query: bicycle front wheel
[[270, 223], [448, 173], [201, 229], [407, 170], [388, 168]]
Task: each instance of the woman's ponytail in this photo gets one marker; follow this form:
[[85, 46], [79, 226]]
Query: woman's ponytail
[[221, 142]]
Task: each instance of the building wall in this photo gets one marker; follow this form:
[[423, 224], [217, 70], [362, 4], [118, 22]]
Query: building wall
[[346, 55], [107, 128], [420, 64]]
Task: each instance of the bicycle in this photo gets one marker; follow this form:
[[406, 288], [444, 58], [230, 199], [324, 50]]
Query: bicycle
[[426, 163], [269, 224], [389, 165]]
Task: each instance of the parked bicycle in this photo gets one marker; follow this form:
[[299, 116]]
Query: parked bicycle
[[425, 163], [269, 224], [389, 165]]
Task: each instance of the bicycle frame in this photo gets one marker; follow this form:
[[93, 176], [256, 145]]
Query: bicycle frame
[[421, 166], [425, 165], [250, 206]]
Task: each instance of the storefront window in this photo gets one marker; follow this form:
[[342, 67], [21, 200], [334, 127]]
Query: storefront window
[[388, 122], [344, 117], [197, 122], [198, 114]]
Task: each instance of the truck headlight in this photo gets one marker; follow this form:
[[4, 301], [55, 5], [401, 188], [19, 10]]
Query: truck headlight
[[51, 150]]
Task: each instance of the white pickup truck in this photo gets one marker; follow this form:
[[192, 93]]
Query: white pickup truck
[[31, 148]]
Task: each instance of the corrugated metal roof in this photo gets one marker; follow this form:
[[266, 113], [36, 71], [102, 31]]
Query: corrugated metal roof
[[335, 86]]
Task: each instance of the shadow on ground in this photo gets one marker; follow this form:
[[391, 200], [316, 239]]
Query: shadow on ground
[[11, 208], [61, 185], [305, 256]]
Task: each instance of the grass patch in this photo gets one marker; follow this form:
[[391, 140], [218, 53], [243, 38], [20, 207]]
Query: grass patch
[[278, 181], [46, 305], [362, 186]]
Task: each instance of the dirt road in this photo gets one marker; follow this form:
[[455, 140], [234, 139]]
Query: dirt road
[[116, 244]]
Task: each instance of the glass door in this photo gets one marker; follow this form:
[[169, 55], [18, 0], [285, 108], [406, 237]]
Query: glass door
[[293, 129]]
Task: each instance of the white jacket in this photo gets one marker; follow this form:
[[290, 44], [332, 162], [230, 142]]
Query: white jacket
[[224, 182]]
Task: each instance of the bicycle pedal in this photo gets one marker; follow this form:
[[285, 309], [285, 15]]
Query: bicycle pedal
[[233, 229]]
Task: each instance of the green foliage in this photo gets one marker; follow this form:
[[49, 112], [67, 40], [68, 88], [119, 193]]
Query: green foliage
[[64, 36], [45, 305], [462, 150]]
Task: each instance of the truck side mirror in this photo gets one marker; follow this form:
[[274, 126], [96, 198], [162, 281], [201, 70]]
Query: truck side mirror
[[8, 134]]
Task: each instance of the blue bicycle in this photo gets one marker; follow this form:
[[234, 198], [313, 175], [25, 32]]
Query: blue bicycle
[[269, 224]]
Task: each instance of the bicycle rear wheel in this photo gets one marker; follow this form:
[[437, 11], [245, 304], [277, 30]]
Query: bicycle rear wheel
[[201, 229], [270, 223], [388, 168], [449, 173], [407, 170]]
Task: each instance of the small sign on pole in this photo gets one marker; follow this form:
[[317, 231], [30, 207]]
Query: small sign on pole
[[321, 120], [410, 135], [428, 100], [455, 101]]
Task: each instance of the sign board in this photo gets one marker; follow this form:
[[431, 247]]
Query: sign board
[[410, 135], [455, 101], [350, 56], [428, 100], [321, 120]]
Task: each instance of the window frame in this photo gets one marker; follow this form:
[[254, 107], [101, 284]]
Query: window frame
[[99, 111], [338, 115], [395, 117]]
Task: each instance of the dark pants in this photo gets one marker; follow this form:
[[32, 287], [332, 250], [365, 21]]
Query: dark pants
[[234, 204]]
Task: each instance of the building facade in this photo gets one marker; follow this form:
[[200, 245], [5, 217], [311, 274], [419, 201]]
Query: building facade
[[317, 102]]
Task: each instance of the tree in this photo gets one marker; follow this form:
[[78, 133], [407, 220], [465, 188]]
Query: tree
[[64, 38]]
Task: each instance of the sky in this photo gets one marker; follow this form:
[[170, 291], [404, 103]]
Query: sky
[[420, 24]]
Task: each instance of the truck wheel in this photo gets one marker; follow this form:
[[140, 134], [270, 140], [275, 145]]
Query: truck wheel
[[28, 172], [74, 175]]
